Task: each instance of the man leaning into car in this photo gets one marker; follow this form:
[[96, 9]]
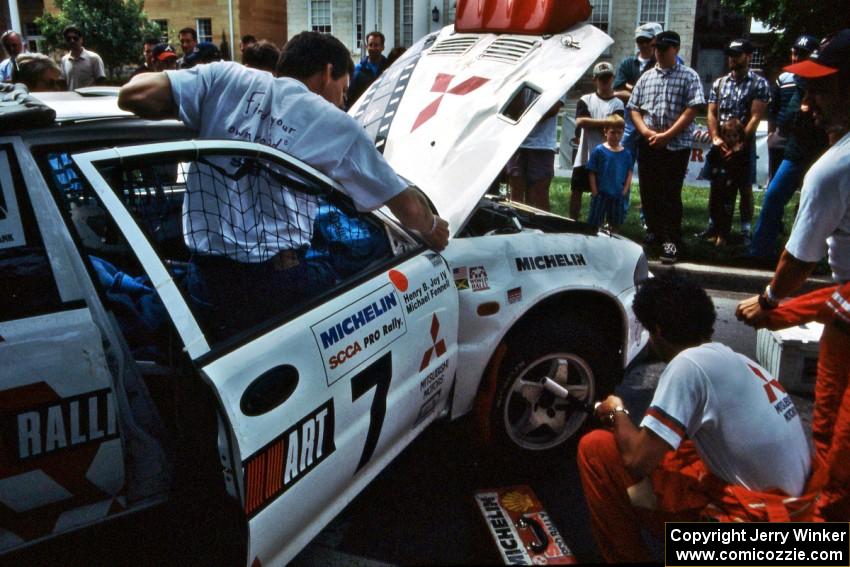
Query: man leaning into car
[[226, 100]]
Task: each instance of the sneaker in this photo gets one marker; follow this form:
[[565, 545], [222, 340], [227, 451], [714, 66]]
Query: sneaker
[[669, 253]]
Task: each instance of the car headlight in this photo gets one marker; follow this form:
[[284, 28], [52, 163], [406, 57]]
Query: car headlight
[[641, 270]]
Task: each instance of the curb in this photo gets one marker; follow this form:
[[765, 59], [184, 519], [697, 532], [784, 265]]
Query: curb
[[732, 279]]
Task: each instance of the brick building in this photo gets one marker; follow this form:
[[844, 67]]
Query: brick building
[[211, 18]]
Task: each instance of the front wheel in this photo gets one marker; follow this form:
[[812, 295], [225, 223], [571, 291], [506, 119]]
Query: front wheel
[[526, 414]]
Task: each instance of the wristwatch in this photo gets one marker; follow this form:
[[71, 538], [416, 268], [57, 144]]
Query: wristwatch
[[768, 300], [611, 414]]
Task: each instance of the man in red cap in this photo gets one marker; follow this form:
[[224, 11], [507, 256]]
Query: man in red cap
[[823, 223]]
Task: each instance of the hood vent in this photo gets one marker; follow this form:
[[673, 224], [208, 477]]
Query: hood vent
[[510, 49], [456, 45]]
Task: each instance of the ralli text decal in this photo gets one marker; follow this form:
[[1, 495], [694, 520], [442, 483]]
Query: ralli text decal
[[67, 423]]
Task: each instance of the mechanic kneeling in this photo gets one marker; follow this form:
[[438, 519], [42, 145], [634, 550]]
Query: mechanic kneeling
[[720, 433]]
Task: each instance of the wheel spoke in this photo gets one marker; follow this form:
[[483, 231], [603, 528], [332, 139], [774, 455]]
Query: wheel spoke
[[529, 423], [559, 370], [530, 391], [579, 391]]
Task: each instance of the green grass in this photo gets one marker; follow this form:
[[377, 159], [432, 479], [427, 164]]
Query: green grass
[[694, 220]]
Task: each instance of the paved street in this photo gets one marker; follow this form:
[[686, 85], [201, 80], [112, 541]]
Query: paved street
[[420, 509]]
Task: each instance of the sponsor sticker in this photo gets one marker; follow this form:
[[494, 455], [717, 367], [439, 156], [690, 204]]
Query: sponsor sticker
[[275, 468], [11, 228], [359, 331], [502, 528], [478, 278], [461, 277], [64, 424], [549, 262], [438, 346], [416, 298], [515, 295]]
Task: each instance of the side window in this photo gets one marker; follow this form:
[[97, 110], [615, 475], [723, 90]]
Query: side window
[[27, 287], [249, 241]]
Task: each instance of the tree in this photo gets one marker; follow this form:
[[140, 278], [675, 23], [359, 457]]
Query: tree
[[795, 18], [114, 29]]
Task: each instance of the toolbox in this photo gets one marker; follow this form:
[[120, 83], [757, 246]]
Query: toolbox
[[539, 17], [791, 355], [521, 529]]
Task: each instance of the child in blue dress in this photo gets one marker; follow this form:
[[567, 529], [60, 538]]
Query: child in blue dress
[[610, 175]]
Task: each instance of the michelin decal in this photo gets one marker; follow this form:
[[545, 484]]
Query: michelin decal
[[356, 333]]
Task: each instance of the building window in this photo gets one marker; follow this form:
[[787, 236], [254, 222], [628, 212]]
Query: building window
[[757, 62], [320, 16], [358, 24], [407, 23], [204, 29], [601, 15], [163, 30], [653, 11]]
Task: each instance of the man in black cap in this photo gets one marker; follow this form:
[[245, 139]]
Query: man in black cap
[[822, 224], [799, 143], [663, 106], [743, 95]]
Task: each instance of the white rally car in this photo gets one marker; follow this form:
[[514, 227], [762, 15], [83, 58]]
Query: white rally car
[[121, 392]]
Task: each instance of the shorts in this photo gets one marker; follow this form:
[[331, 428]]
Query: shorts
[[534, 165], [580, 181]]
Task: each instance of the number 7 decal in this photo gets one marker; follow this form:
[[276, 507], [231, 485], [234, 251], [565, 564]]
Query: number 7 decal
[[377, 375]]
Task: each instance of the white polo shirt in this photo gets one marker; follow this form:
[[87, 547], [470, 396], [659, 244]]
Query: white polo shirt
[[745, 427], [823, 221]]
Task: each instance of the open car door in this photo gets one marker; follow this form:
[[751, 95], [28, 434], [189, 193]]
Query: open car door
[[319, 395]]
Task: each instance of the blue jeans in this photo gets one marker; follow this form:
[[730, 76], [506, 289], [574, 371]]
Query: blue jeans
[[631, 137], [779, 192]]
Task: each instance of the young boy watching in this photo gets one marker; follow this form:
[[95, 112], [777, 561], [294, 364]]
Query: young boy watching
[[609, 172], [591, 112]]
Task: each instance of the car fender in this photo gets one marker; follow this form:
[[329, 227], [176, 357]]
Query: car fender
[[497, 292]]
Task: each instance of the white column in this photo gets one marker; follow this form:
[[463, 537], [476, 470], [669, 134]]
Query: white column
[[388, 24], [15, 17], [421, 18], [369, 24]]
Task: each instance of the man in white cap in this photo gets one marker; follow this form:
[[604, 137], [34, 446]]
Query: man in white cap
[[628, 72]]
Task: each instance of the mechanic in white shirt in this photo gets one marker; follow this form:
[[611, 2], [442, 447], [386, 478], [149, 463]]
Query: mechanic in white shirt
[[822, 225], [229, 101], [718, 425]]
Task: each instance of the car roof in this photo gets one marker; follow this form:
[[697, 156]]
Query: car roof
[[85, 104]]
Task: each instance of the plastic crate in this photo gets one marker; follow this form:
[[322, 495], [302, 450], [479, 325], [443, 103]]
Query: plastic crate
[[791, 355]]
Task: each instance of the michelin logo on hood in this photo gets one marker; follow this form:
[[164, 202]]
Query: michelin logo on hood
[[356, 333]]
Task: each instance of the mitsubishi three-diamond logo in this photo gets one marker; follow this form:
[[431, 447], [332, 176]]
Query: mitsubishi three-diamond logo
[[441, 85], [439, 347]]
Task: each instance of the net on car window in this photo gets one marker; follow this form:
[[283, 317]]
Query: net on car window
[[248, 240]]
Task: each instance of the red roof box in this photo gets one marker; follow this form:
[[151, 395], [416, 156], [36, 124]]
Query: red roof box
[[533, 17]]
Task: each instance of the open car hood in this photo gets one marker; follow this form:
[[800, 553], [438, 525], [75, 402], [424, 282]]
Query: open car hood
[[445, 117]]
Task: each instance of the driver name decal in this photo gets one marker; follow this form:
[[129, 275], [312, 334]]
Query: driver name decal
[[549, 262], [356, 333], [275, 468]]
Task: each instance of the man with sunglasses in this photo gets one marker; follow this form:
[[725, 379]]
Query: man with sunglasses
[[822, 225], [80, 67], [663, 106]]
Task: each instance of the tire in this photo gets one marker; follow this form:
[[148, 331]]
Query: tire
[[525, 417]]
